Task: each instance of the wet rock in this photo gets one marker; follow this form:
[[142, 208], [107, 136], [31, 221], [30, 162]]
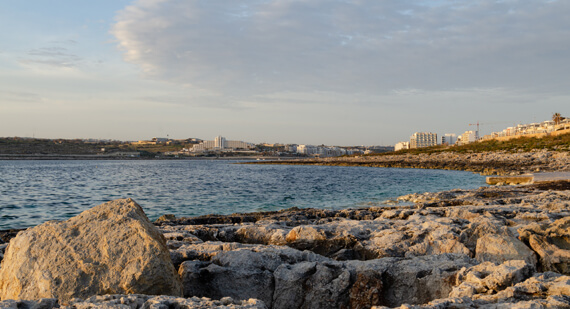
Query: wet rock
[[109, 249]]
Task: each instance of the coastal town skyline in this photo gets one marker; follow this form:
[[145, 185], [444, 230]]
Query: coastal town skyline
[[311, 72]]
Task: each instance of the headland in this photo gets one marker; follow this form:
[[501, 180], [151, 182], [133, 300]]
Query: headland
[[485, 163]]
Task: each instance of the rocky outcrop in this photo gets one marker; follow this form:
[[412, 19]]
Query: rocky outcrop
[[109, 249], [453, 249], [551, 241], [134, 301], [487, 163], [500, 248], [287, 278], [494, 247], [509, 285]]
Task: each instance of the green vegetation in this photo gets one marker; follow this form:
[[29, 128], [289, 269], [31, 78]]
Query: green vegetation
[[27, 146], [37, 146], [557, 118]]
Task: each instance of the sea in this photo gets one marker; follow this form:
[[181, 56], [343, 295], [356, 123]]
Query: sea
[[33, 192]]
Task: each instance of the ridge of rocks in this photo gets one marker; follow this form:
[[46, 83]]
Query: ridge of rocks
[[492, 247], [486, 163]]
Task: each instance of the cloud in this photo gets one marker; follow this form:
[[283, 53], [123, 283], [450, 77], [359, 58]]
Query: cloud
[[260, 47], [56, 55], [9, 97]]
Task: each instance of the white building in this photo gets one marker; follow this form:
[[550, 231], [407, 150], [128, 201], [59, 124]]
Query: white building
[[220, 143], [423, 139], [469, 137], [401, 145], [449, 139], [323, 151], [307, 149], [291, 148]]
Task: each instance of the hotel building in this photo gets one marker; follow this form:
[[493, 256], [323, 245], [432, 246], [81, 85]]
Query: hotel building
[[220, 143], [423, 139]]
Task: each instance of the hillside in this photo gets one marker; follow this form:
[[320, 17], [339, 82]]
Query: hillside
[[36, 146], [522, 144]]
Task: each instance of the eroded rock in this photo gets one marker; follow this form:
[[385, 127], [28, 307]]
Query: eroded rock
[[109, 249], [501, 248]]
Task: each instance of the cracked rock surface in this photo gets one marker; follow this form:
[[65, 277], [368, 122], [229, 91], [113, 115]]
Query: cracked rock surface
[[493, 247]]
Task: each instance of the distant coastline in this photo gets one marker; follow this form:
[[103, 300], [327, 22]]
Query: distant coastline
[[111, 157], [485, 163]]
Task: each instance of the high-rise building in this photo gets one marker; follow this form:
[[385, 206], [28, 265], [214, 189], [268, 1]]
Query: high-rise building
[[423, 139], [449, 139], [220, 142], [469, 137]]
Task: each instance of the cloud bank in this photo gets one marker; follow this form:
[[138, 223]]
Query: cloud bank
[[360, 46]]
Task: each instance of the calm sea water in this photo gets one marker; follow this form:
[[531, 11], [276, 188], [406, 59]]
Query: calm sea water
[[32, 192]]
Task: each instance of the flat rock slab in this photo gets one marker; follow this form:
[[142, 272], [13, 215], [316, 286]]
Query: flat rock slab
[[529, 178], [510, 180], [552, 176], [109, 249]]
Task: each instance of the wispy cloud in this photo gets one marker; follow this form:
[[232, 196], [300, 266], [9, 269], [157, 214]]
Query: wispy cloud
[[364, 46], [56, 55], [20, 97]]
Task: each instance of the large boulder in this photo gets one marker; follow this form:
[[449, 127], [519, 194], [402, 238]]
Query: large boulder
[[109, 249], [501, 248]]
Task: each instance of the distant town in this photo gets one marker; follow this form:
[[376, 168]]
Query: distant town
[[221, 146], [558, 125], [164, 148]]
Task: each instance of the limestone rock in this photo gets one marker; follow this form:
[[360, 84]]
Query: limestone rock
[[490, 278], [284, 277], [239, 271], [136, 301], [44, 303], [552, 243], [109, 249], [500, 248], [311, 285], [422, 279]]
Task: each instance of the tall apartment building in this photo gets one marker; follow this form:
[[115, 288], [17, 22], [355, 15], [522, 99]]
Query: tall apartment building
[[469, 137], [220, 142], [423, 139], [449, 139]]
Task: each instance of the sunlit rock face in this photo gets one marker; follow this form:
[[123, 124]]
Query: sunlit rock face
[[109, 249]]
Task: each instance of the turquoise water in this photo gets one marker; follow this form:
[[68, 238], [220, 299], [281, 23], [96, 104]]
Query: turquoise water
[[32, 192]]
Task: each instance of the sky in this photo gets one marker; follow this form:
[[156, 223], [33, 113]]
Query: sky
[[333, 72]]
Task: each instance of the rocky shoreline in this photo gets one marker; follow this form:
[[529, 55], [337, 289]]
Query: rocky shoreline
[[493, 247], [485, 163]]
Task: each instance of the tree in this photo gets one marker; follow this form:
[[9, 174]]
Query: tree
[[557, 118]]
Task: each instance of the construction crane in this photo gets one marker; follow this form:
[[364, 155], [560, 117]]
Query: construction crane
[[476, 132], [486, 123]]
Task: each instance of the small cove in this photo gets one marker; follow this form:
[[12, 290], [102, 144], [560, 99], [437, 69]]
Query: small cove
[[32, 192]]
